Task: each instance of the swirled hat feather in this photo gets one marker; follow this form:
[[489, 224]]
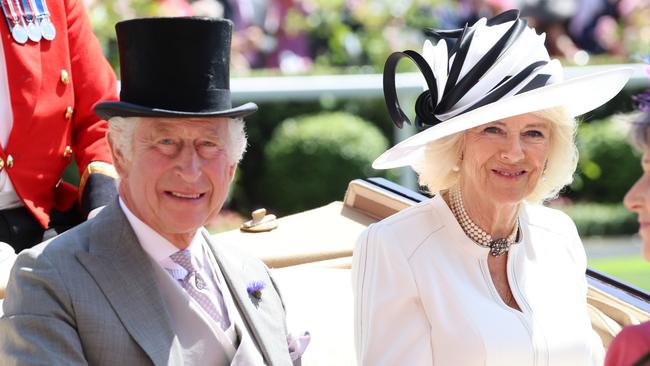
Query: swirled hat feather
[[497, 68]]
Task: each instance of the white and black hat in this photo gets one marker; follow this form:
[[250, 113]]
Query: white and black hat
[[498, 68]]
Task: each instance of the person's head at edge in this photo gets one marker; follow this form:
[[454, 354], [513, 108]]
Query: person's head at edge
[[175, 138], [637, 198]]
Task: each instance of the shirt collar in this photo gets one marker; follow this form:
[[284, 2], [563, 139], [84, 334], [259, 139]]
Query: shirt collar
[[159, 248]]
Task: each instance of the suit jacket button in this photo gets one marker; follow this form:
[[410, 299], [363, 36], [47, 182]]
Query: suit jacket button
[[10, 161], [68, 113], [65, 77], [2, 163]]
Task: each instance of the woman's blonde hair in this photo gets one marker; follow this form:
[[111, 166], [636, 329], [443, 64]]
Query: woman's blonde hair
[[436, 167], [121, 130]]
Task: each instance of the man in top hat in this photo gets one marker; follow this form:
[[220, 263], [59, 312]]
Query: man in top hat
[[143, 282], [52, 73]]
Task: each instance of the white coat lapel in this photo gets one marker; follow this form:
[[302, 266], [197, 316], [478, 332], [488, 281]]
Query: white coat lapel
[[124, 272]]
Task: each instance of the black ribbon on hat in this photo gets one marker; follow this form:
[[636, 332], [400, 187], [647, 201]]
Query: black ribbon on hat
[[426, 105], [425, 102]]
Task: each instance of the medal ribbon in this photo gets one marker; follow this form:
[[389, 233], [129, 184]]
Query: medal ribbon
[[35, 10], [41, 8], [28, 13], [43, 19], [9, 13], [13, 16], [18, 11]]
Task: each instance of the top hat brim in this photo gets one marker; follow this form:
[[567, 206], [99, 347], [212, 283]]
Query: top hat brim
[[107, 110], [577, 96]]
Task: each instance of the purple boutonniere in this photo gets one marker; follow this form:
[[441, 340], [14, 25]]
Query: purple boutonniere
[[255, 289]]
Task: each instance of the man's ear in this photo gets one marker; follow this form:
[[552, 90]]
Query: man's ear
[[231, 172], [119, 161]]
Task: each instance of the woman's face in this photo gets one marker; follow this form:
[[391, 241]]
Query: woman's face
[[637, 200], [503, 160]]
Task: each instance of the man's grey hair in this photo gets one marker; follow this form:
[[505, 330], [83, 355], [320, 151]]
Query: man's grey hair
[[121, 130]]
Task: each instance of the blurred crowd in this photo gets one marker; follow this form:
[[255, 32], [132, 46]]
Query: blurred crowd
[[575, 29], [284, 34], [265, 35]]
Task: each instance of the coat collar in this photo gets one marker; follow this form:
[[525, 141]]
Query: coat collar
[[125, 274]]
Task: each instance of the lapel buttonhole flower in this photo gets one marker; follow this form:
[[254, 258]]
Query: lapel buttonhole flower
[[255, 289]]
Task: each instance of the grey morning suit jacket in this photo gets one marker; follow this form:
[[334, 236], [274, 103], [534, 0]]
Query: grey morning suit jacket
[[89, 296]]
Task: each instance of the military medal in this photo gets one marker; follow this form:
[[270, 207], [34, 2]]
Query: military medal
[[33, 30], [14, 21], [43, 15]]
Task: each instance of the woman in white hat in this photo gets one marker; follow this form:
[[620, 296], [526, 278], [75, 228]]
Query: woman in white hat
[[482, 273]]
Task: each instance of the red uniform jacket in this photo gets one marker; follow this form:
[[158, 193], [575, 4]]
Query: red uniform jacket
[[53, 86]]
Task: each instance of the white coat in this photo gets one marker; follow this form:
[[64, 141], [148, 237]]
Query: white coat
[[424, 294]]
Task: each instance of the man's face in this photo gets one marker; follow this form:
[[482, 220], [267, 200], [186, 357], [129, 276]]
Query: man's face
[[178, 175]]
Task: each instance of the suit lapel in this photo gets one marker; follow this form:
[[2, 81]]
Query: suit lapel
[[124, 272], [266, 328]]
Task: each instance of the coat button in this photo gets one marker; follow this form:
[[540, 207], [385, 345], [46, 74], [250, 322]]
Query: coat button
[[2, 163], [10, 161], [67, 153], [68, 113], [65, 77]]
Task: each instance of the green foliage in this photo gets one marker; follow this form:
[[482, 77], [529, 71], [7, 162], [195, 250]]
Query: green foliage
[[104, 14], [631, 269], [311, 159], [608, 165], [602, 218], [252, 192]]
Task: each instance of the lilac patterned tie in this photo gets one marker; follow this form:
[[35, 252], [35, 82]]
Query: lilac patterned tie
[[194, 284]]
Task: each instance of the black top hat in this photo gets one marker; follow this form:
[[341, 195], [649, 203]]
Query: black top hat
[[174, 67]]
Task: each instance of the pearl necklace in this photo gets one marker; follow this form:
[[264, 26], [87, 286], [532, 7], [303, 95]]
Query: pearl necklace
[[478, 235]]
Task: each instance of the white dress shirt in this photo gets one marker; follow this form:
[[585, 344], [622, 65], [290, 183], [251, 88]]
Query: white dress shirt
[[424, 294], [159, 249], [8, 196]]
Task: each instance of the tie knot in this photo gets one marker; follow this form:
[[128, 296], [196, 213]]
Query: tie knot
[[184, 259]]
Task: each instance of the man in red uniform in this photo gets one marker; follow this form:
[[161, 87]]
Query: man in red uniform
[[52, 73]]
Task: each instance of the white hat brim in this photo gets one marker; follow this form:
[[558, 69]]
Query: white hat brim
[[578, 96]]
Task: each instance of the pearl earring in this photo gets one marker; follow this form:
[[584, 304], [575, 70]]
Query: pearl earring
[[455, 168]]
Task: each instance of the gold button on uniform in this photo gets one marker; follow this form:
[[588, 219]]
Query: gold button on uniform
[[2, 163], [65, 77], [67, 153], [10, 161], [68, 113]]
